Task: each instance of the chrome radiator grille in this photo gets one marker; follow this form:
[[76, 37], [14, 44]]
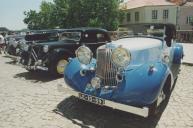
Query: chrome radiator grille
[[105, 70]]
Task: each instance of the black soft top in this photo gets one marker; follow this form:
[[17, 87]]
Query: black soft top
[[87, 29], [46, 35]]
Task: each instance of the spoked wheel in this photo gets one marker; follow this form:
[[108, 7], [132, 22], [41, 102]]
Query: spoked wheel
[[61, 65]]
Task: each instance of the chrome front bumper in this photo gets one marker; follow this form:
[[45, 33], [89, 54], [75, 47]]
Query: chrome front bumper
[[131, 109], [36, 68]]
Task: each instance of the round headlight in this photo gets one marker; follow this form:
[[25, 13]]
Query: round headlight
[[46, 48], [84, 54], [121, 57]]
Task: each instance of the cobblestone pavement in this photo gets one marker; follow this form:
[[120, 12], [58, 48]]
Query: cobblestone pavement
[[188, 51], [31, 100]]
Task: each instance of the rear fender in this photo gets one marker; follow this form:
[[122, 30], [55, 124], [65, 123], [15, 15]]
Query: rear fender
[[178, 53]]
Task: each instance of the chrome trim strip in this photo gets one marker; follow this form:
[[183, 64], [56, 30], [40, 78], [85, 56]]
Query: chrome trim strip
[[34, 55], [131, 109], [36, 67]]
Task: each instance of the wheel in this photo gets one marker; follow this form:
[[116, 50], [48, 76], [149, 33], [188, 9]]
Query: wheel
[[61, 65], [58, 66], [164, 95], [154, 107]]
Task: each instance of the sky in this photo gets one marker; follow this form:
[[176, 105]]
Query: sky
[[11, 12]]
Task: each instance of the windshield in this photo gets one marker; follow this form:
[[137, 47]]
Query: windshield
[[140, 30], [47, 37], [70, 36]]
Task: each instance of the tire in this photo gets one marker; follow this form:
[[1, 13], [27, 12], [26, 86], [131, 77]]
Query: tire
[[154, 108], [57, 66]]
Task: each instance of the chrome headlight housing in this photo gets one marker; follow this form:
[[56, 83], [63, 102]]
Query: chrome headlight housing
[[121, 57], [46, 48], [25, 47], [17, 50], [15, 43], [84, 55]]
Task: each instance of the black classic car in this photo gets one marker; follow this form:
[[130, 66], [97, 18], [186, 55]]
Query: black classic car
[[51, 53], [13, 44]]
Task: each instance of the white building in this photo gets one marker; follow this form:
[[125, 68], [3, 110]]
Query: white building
[[157, 11]]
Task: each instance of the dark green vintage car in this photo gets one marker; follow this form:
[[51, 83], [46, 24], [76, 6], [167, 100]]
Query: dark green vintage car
[[50, 51]]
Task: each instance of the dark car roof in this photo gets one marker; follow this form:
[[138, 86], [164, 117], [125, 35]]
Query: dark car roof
[[47, 31], [81, 29], [40, 36], [87, 29], [45, 34]]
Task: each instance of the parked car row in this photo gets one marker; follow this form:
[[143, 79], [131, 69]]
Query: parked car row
[[136, 72], [50, 50]]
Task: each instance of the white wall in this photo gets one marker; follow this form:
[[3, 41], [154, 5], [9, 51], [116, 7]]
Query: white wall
[[146, 15]]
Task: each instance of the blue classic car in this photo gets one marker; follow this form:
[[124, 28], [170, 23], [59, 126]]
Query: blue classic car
[[134, 74]]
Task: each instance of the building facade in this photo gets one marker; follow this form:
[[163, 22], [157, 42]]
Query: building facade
[[185, 17], [157, 11]]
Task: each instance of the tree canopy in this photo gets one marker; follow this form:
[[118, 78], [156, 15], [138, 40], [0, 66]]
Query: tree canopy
[[75, 13]]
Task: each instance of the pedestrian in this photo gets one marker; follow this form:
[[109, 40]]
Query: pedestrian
[[2, 43]]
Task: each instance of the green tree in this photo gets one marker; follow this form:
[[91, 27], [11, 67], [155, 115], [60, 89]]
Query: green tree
[[47, 15], [32, 19], [75, 13], [94, 13]]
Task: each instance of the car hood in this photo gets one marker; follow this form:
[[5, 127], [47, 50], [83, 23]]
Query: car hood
[[142, 50], [138, 43]]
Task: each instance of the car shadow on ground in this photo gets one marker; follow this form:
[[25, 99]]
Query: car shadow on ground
[[36, 76], [86, 114], [12, 62], [33, 76]]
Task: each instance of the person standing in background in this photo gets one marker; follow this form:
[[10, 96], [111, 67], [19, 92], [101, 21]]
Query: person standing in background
[[2, 43]]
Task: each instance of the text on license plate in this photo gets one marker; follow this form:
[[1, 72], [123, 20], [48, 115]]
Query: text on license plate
[[92, 99]]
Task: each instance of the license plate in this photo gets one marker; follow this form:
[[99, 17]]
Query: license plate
[[92, 99]]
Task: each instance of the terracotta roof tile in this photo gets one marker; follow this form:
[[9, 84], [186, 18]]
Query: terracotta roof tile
[[130, 4]]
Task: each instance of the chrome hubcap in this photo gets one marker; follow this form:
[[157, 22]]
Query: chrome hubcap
[[61, 66]]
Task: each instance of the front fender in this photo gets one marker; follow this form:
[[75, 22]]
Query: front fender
[[73, 77], [59, 52], [142, 86]]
